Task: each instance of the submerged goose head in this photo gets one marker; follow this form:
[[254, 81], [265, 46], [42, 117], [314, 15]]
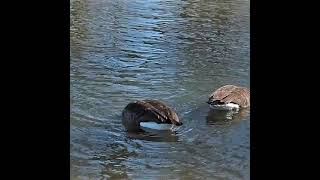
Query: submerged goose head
[[140, 113], [230, 97]]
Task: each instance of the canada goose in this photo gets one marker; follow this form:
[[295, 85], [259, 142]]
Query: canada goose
[[147, 113], [230, 97]]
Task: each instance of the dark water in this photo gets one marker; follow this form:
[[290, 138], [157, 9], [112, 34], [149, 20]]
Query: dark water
[[174, 50]]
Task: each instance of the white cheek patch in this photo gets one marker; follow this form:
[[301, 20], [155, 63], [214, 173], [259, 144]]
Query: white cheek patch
[[154, 125]]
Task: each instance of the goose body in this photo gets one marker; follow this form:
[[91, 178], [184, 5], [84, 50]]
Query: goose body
[[230, 97], [152, 114]]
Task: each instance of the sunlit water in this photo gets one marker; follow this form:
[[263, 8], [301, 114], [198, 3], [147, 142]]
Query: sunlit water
[[173, 50]]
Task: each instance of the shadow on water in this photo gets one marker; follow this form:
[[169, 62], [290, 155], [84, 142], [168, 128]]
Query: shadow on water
[[221, 116], [155, 136], [204, 116]]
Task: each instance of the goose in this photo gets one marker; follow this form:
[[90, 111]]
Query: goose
[[230, 97], [152, 114]]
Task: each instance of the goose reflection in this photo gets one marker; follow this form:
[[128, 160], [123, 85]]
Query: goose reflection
[[221, 116], [154, 135]]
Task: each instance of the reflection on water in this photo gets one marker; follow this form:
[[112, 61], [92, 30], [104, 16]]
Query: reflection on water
[[176, 51], [155, 136], [221, 116]]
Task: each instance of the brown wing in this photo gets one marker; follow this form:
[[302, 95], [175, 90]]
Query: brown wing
[[164, 111], [222, 92], [150, 108], [239, 96], [234, 94]]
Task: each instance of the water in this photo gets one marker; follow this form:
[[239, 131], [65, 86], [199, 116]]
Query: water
[[173, 50]]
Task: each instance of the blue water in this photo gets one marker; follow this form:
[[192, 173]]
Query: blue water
[[173, 50]]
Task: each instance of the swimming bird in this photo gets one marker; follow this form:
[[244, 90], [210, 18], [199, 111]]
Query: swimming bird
[[149, 113], [230, 97]]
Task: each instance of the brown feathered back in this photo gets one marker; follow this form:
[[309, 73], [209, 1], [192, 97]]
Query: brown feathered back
[[230, 93], [148, 110], [164, 110]]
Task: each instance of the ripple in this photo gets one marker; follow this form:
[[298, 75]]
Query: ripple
[[177, 51]]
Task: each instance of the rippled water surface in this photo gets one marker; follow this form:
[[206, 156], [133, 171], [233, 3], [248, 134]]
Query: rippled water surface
[[174, 50]]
